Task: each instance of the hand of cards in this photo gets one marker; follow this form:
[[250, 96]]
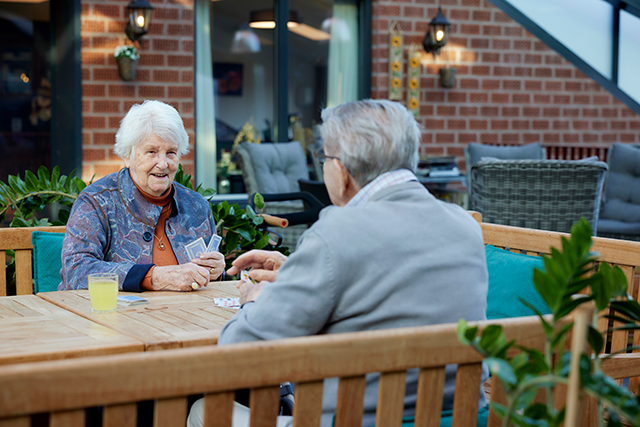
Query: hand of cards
[[244, 275], [131, 300], [227, 302], [197, 247]]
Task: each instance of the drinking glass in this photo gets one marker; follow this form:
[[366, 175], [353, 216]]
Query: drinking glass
[[103, 291]]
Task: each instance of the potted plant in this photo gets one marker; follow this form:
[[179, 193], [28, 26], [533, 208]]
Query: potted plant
[[565, 275], [127, 59]]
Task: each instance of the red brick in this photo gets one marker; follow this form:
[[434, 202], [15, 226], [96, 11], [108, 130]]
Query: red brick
[[118, 91], [104, 106], [93, 90], [579, 74], [105, 42], [90, 26], [92, 122], [628, 137], [472, 3], [510, 138], [618, 125], [522, 45], [541, 98], [520, 125], [446, 110], [513, 31], [189, 46], [480, 43], [433, 124], [552, 60], [499, 124], [189, 123], [543, 72], [521, 98], [115, 27], [106, 10], [501, 44], [436, 96], [531, 111], [571, 112], [511, 84], [468, 111], [511, 111], [165, 13], [500, 16], [466, 138], [84, 10], [169, 76], [551, 112], [490, 84], [481, 15], [562, 99], [610, 112], [530, 58], [570, 137], [502, 71], [580, 124], [480, 70], [560, 125], [470, 29], [523, 71], [170, 45], [413, 12], [104, 138], [610, 138], [459, 14], [151, 91], [181, 92], [489, 138], [106, 74], [602, 99], [599, 125], [86, 106], [456, 124], [572, 86], [491, 30], [489, 111], [528, 138], [478, 124], [552, 86], [538, 45], [151, 60], [385, 10], [563, 73], [187, 15], [541, 124], [86, 74], [85, 42], [512, 58], [551, 138], [114, 122], [93, 58], [501, 98], [581, 99], [457, 96], [479, 97], [187, 77], [180, 30], [532, 85], [469, 83]]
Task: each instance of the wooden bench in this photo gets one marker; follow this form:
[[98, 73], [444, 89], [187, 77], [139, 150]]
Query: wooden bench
[[19, 240], [64, 388]]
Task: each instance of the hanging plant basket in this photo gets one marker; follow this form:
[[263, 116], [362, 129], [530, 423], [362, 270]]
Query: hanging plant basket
[[127, 68]]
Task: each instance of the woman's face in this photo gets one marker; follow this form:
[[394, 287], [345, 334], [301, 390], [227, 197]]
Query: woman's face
[[153, 165]]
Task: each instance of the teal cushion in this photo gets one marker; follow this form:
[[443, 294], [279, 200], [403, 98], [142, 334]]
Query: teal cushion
[[447, 418], [511, 278], [47, 260]]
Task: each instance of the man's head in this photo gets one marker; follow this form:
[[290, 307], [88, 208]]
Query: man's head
[[369, 137]]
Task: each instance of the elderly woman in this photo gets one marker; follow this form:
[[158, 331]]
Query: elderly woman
[[137, 221]]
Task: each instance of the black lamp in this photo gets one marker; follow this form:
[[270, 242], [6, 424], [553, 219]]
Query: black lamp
[[437, 34], [139, 19], [264, 19]]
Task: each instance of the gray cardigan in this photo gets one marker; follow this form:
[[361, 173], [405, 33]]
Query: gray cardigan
[[403, 258]]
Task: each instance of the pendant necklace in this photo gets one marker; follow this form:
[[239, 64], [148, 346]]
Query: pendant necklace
[[160, 244]]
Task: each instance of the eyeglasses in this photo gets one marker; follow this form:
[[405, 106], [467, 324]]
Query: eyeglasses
[[322, 158]]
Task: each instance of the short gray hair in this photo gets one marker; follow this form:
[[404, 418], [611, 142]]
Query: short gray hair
[[372, 137], [147, 119]]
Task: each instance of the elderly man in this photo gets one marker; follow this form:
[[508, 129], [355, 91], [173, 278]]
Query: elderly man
[[387, 254]]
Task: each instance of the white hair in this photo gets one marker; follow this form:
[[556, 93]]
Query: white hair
[[372, 137], [148, 119]]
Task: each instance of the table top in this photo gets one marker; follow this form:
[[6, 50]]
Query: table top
[[168, 320], [34, 330]]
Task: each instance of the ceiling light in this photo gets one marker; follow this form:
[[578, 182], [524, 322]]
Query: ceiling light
[[263, 19], [310, 32]]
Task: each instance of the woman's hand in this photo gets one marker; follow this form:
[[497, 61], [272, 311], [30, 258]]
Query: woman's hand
[[264, 264], [179, 277], [213, 261]]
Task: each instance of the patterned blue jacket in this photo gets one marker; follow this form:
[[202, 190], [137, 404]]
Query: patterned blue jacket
[[111, 230]]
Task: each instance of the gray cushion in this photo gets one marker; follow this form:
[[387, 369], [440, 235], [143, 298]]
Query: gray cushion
[[279, 166], [621, 211], [532, 151]]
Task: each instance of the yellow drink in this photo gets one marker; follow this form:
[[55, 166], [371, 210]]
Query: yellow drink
[[103, 291]]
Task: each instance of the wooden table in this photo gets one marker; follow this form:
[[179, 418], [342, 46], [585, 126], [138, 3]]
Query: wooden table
[[33, 329], [168, 320]]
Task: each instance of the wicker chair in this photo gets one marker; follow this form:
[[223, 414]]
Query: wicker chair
[[540, 194]]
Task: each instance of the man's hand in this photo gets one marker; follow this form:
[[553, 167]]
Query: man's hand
[[179, 277], [249, 291], [264, 264], [213, 261]]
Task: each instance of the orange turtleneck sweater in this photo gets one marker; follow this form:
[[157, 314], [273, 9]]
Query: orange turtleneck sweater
[[161, 257]]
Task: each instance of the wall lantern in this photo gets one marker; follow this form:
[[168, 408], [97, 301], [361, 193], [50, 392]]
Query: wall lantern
[[139, 19], [437, 34]]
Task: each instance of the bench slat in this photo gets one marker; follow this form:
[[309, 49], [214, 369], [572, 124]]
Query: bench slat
[[3, 274], [350, 402], [170, 412], [218, 409], [465, 400], [16, 422], [24, 275], [390, 406], [429, 397], [265, 404], [307, 410], [120, 415], [68, 419]]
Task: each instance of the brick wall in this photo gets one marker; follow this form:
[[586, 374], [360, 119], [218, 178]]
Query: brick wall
[[165, 72], [510, 88]]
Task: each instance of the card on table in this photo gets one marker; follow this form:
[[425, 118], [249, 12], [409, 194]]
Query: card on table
[[195, 248], [214, 243], [227, 302], [131, 300]]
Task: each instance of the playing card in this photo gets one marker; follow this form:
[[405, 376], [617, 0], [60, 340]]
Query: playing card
[[244, 275], [214, 243], [195, 248], [227, 302]]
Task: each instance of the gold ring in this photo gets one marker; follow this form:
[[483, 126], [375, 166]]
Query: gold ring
[[194, 286], [212, 270]]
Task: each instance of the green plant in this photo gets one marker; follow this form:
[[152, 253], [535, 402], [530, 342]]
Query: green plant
[[566, 273], [126, 51]]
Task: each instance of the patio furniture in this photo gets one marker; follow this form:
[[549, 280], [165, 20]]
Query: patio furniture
[[474, 152], [274, 168], [19, 240], [620, 212], [63, 389], [540, 194]]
